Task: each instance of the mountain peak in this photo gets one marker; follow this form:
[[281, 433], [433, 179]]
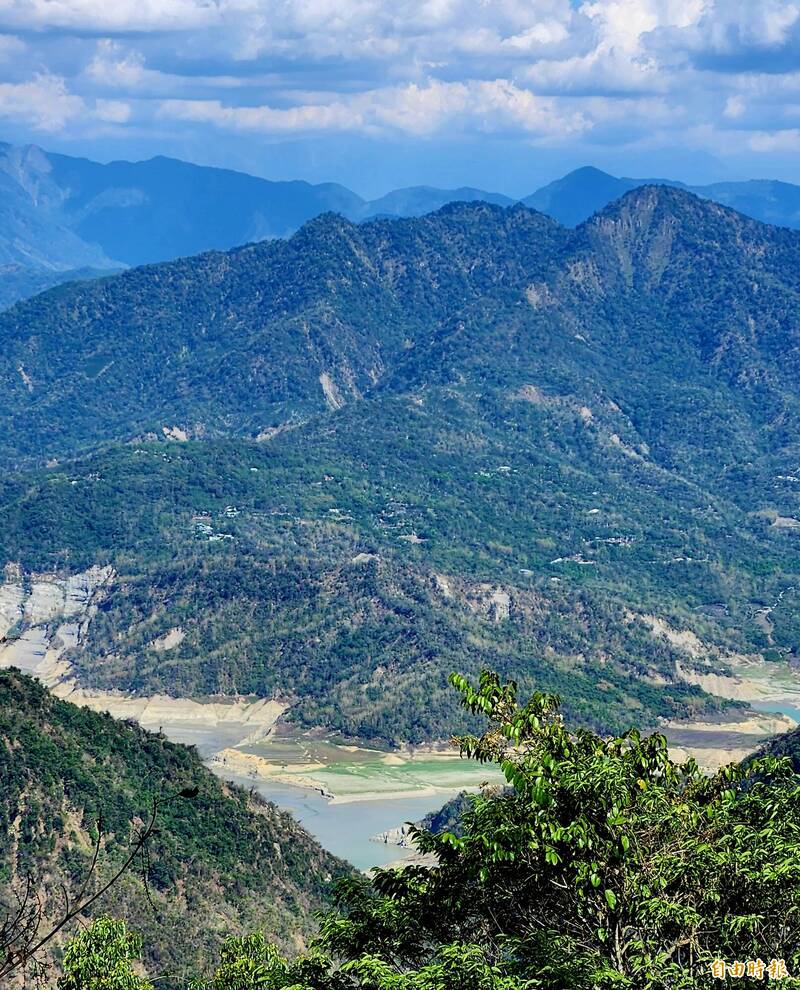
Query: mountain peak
[[578, 194], [653, 200], [470, 208], [653, 235], [638, 226], [325, 225], [644, 197], [587, 172]]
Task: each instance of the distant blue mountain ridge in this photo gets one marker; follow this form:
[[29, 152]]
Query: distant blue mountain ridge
[[64, 218], [582, 193]]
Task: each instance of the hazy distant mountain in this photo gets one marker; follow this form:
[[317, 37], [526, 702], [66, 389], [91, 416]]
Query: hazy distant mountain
[[765, 199], [61, 217], [575, 197], [38, 248], [404, 447], [23, 281], [33, 231], [161, 209], [579, 194], [59, 212], [418, 200]]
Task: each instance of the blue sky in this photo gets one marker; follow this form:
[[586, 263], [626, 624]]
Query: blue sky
[[501, 94]]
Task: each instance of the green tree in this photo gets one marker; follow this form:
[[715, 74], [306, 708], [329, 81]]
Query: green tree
[[604, 864], [102, 957], [251, 963]]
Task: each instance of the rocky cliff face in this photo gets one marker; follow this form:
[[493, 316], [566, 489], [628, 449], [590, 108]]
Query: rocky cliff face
[[43, 617]]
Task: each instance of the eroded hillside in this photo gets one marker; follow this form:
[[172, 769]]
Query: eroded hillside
[[472, 438]]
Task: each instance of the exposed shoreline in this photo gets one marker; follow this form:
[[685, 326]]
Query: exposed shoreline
[[239, 735]]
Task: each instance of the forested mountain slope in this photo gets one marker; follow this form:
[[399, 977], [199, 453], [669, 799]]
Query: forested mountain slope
[[60, 214], [20, 281], [255, 339], [483, 439], [222, 860], [258, 338]]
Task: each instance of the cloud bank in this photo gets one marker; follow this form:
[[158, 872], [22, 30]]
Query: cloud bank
[[719, 77]]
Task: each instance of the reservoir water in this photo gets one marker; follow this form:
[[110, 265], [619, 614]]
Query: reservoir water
[[346, 829], [783, 706]]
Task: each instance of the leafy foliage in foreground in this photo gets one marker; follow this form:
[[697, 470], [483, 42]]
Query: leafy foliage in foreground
[[102, 957], [448, 818], [786, 745], [605, 864]]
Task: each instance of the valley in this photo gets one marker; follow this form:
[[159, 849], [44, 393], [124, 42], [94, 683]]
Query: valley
[[419, 446], [308, 774], [344, 794], [399, 495]]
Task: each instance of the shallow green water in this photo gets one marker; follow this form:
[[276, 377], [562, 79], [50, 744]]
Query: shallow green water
[[783, 706]]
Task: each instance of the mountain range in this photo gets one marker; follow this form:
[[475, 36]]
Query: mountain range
[[64, 218], [333, 468], [575, 197]]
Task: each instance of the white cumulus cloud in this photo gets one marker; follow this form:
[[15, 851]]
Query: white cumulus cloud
[[44, 101], [716, 74], [490, 106]]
